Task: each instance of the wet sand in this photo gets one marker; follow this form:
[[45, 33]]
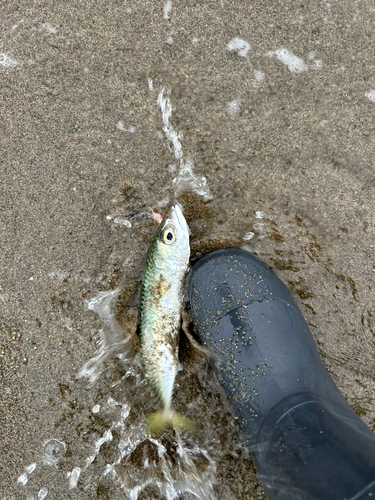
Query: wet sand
[[276, 106]]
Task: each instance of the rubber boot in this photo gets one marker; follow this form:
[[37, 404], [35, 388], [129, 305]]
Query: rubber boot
[[306, 441]]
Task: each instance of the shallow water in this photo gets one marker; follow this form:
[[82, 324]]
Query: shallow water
[[259, 120]]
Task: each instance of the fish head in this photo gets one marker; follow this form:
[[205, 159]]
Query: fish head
[[172, 238]]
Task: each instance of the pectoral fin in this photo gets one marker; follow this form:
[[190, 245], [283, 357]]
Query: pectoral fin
[[207, 353]]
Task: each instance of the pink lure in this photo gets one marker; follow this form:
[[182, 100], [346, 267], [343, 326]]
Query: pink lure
[[157, 216]]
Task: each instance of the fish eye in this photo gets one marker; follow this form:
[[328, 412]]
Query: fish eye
[[168, 236]]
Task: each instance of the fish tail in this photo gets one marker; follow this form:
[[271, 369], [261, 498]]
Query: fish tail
[[162, 420]]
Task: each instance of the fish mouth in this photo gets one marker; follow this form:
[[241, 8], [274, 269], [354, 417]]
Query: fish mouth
[[177, 212], [177, 209]]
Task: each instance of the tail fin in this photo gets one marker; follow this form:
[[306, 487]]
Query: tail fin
[[162, 420]]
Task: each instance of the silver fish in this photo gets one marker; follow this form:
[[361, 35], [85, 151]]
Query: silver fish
[[160, 313]]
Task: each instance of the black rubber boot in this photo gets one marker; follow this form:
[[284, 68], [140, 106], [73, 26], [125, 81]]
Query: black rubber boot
[[306, 440]]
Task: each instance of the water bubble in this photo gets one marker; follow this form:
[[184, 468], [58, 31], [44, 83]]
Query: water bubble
[[248, 236], [42, 494], [240, 46], [167, 9], [73, 478], [370, 94], [96, 409], [293, 62], [30, 468], [23, 479], [233, 108], [123, 222], [53, 451], [6, 61], [121, 126]]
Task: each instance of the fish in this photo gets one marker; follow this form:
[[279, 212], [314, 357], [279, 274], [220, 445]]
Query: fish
[[159, 315]]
